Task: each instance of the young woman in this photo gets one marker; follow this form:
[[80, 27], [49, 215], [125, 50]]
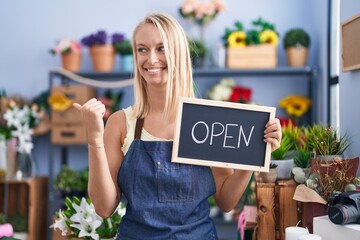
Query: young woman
[[132, 154]]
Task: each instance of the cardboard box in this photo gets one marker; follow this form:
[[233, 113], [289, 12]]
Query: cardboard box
[[330, 231], [76, 93], [68, 134], [253, 56]]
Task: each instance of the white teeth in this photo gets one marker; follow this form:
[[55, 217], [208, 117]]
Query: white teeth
[[154, 70]]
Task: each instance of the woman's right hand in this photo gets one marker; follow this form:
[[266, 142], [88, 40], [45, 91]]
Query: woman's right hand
[[92, 113]]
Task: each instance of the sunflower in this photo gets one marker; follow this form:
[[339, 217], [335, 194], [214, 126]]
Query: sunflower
[[295, 105], [59, 102], [237, 39], [269, 36]]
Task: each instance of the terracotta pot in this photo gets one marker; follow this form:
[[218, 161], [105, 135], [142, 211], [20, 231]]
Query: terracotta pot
[[297, 56], [103, 58], [71, 61]]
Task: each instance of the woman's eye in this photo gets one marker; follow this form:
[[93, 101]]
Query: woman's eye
[[161, 49], [141, 50]]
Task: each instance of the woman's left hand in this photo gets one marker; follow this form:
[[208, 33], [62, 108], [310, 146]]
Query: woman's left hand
[[273, 134]]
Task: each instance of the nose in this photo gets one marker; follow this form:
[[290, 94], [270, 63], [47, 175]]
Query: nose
[[153, 57]]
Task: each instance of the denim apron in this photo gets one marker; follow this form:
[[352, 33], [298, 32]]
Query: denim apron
[[165, 200]]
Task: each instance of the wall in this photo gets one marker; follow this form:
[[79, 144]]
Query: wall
[[30, 28], [349, 90]]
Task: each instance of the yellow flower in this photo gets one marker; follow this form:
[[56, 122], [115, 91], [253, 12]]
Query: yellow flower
[[295, 105], [237, 39], [269, 36], [59, 102]]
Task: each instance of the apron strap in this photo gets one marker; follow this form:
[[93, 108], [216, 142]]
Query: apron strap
[[138, 128]]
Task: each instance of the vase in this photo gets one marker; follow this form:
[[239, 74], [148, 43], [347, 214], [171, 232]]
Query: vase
[[103, 58], [25, 165], [71, 61], [3, 160]]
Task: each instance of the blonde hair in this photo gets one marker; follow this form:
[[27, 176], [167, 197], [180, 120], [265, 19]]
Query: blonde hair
[[180, 79]]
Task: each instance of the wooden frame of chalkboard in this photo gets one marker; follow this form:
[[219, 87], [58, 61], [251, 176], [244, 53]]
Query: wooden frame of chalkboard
[[222, 134]]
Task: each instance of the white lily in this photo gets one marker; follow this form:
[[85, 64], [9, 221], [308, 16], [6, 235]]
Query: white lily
[[61, 224], [88, 227]]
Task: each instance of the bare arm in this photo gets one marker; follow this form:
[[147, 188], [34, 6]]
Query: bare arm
[[105, 155], [230, 184]]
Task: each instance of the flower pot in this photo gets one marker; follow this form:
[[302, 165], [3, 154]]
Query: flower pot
[[297, 56], [254, 56], [127, 63], [284, 168], [265, 177], [103, 58], [71, 61]]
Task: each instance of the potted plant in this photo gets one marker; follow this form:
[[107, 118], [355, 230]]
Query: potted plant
[[254, 48], [267, 177], [70, 51], [325, 142], [20, 225], [198, 52], [79, 220], [282, 158], [124, 48], [296, 44], [102, 50], [71, 182]]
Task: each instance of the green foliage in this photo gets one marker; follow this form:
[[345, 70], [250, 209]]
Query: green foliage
[[69, 180], [211, 201], [296, 37], [326, 140], [2, 219], [197, 48], [302, 158], [124, 47], [283, 151], [19, 222]]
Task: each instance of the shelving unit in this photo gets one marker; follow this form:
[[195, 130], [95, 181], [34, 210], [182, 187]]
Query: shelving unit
[[308, 73]]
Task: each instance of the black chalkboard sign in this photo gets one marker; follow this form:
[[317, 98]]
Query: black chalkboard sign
[[222, 134]]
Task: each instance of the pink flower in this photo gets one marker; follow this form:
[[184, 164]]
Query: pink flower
[[219, 5], [189, 6]]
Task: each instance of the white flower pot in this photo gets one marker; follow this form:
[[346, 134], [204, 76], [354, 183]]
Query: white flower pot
[[284, 168]]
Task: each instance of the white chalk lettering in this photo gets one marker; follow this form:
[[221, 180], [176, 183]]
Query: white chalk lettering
[[193, 135], [241, 133], [227, 136], [213, 131]]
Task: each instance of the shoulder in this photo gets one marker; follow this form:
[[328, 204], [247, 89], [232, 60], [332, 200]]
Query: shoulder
[[116, 125]]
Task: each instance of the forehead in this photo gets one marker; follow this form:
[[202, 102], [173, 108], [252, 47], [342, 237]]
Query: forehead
[[148, 34]]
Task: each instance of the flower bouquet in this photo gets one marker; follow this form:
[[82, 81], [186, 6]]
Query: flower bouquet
[[17, 124], [201, 13], [70, 51], [227, 90], [254, 48], [80, 220]]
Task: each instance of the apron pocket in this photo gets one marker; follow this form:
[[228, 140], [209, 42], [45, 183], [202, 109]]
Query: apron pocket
[[175, 182]]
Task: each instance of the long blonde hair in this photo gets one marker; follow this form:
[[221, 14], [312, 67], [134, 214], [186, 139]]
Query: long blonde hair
[[180, 79]]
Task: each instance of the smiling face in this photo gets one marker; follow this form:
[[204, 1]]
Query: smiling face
[[150, 55]]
